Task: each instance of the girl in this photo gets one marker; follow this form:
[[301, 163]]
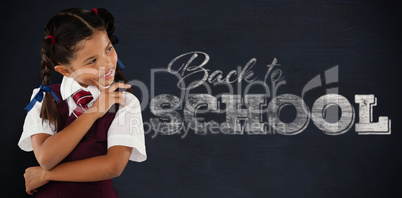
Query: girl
[[85, 130]]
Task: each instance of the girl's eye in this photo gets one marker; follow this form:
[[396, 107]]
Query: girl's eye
[[109, 49], [92, 61]]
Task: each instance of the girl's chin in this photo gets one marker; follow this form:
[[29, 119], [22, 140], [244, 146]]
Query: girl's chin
[[107, 83]]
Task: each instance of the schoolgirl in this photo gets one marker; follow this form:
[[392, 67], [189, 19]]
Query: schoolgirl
[[85, 130]]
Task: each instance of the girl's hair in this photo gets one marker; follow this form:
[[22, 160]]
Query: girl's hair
[[69, 27]]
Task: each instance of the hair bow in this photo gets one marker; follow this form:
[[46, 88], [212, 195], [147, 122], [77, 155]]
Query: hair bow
[[117, 39], [39, 96]]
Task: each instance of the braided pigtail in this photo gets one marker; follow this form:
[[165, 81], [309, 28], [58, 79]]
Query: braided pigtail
[[108, 20], [49, 109]]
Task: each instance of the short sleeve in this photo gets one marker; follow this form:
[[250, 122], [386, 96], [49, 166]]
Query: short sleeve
[[33, 125], [127, 128]]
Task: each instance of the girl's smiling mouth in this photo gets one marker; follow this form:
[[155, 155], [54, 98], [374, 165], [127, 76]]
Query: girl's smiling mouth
[[108, 75]]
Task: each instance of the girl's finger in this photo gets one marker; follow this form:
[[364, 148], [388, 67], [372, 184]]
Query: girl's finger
[[117, 85], [118, 98], [122, 102], [122, 99], [120, 95]]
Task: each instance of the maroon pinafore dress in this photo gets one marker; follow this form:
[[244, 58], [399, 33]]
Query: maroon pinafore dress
[[94, 143]]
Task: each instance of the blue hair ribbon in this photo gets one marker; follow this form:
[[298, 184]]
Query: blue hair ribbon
[[120, 64], [39, 96], [116, 39]]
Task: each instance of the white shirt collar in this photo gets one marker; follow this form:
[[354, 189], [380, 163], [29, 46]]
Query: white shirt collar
[[70, 86]]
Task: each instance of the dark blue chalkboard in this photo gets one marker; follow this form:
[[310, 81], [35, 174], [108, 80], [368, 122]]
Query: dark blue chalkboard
[[307, 38]]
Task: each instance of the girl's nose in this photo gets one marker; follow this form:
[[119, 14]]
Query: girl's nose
[[106, 63]]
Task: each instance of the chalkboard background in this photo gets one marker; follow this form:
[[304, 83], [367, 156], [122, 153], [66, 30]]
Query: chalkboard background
[[306, 37]]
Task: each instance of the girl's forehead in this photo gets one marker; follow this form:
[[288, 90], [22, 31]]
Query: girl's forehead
[[93, 45]]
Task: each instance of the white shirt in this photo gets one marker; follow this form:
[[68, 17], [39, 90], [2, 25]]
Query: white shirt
[[125, 130]]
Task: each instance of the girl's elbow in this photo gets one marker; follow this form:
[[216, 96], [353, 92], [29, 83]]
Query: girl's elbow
[[117, 169], [118, 158], [45, 163], [46, 166]]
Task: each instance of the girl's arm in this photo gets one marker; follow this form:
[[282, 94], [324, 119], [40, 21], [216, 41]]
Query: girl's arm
[[91, 169], [50, 150]]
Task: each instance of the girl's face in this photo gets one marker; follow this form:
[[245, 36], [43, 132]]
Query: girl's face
[[95, 60]]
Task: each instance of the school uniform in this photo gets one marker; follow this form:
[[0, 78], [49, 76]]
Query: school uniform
[[121, 126]]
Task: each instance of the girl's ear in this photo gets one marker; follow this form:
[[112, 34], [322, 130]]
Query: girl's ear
[[63, 70]]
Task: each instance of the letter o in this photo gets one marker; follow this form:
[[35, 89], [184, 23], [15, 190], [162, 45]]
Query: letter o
[[302, 114], [343, 124]]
